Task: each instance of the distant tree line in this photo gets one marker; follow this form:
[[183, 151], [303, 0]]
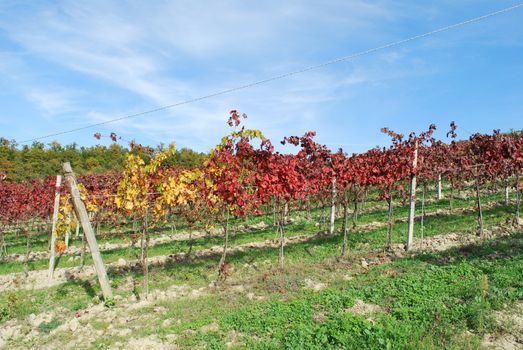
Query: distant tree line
[[38, 160]]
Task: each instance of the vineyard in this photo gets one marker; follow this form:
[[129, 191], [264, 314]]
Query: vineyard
[[415, 245]]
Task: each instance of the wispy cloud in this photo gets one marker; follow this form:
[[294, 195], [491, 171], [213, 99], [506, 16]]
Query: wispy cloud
[[52, 102], [149, 51], [104, 59]]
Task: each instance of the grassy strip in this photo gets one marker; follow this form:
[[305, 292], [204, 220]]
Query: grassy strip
[[76, 295], [433, 225], [427, 302], [445, 223], [432, 301], [16, 244]]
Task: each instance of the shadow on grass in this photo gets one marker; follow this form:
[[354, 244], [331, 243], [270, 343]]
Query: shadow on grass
[[375, 238], [506, 247], [177, 262], [73, 281]]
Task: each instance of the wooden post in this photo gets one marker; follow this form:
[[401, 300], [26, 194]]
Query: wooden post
[[3, 247], [285, 213], [390, 223], [81, 213], [282, 243], [423, 214], [281, 218], [333, 207], [52, 244], [28, 234], [345, 225], [77, 228], [68, 233], [480, 212], [222, 269], [355, 212], [451, 197], [145, 247], [507, 193], [275, 220], [439, 187], [82, 252], [410, 230], [518, 198]]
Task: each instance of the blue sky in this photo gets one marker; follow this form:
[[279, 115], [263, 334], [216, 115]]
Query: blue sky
[[66, 64]]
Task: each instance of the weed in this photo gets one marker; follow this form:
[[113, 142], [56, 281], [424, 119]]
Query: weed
[[47, 327]]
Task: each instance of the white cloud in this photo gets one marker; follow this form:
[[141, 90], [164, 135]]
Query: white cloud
[[175, 51], [51, 101]]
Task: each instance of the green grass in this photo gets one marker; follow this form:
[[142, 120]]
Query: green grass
[[292, 230], [46, 327], [201, 271], [372, 210], [429, 301]]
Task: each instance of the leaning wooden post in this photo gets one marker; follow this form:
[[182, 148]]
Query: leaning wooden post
[[81, 213], [68, 232], [77, 228], [410, 231], [52, 245]]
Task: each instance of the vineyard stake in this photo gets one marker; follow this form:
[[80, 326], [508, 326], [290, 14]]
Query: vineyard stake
[[81, 213], [439, 188], [410, 231], [423, 214], [507, 193], [480, 212], [52, 245], [77, 228], [68, 232], [345, 224], [518, 199], [390, 223], [333, 207], [356, 206]]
